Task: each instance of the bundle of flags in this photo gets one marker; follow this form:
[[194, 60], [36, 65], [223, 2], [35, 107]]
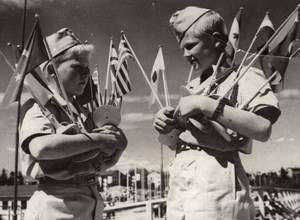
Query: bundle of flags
[[34, 54], [117, 71], [275, 59]]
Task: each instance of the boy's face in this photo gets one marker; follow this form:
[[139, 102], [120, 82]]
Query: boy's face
[[199, 51], [74, 74]]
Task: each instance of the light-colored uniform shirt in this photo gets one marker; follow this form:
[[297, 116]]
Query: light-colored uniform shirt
[[59, 201], [211, 184]]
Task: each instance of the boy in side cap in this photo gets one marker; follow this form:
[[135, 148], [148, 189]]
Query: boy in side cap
[[66, 164], [207, 179]]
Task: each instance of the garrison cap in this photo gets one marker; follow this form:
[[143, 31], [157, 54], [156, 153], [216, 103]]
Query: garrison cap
[[60, 42], [182, 20]]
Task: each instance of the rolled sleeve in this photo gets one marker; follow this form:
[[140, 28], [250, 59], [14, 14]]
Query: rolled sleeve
[[265, 103]]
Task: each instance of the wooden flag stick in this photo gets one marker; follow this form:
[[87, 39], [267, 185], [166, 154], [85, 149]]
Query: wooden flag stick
[[57, 78], [214, 75], [259, 53], [190, 74], [166, 90], [7, 61], [143, 72], [259, 91], [107, 71]]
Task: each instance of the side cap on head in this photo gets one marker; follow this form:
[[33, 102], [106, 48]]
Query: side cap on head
[[182, 20], [61, 41]]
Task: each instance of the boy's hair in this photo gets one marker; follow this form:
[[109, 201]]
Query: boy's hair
[[209, 23], [80, 52]]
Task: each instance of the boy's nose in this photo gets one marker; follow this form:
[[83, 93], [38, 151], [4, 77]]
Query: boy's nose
[[186, 53]]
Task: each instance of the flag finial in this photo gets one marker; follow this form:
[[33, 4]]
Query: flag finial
[[111, 38], [36, 16], [9, 44], [122, 32], [159, 46], [241, 8]]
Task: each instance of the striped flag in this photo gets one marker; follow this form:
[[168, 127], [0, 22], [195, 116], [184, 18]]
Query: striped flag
[[123, 85], [157, 70], [113, 63], [34, 54]]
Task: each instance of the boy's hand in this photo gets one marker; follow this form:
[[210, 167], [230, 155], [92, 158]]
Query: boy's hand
[[186, 106], [164, 121], [114, 139]]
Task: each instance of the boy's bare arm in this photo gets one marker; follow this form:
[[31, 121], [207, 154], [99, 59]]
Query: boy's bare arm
[[58, 146], [243, 122]]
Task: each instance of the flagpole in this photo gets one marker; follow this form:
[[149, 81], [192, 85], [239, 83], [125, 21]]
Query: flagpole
[[7, 61], [57, 77], [24, 23], [15, 216], [190, 74], [258, 54], [142, 70], [161, 170], [108, 70], [259, 91], [214, 75], [92, 95]]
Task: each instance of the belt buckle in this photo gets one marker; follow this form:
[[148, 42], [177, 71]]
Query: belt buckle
[[90, 179]]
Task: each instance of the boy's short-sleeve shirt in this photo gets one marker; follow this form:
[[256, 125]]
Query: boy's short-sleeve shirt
[[265, 104], [35, 124]]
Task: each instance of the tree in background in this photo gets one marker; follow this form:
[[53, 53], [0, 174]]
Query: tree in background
[[3, 177]]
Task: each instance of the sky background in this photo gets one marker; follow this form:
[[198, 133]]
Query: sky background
[[145, 24]]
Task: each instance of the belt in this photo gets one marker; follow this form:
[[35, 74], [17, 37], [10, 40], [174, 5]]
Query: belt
[[77, 180], [184, 147]]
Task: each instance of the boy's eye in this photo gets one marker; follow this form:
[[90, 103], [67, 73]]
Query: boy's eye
[[190, 46], [81, 69]]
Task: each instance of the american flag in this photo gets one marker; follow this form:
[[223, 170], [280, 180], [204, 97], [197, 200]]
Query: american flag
[[122, 75], [113, 63]]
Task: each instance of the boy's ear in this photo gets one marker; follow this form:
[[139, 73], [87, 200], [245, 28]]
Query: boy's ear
[[217, 42], [50, 70]]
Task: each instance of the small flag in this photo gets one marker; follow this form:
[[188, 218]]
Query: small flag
[[235, 30], [123, 85], [157, 70], [33, 55], [277, 59], [266, 27], [113, 63], [95, 76]]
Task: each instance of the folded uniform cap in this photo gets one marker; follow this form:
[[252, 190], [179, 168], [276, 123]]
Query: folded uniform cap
[[182, 20], [60, 41]]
